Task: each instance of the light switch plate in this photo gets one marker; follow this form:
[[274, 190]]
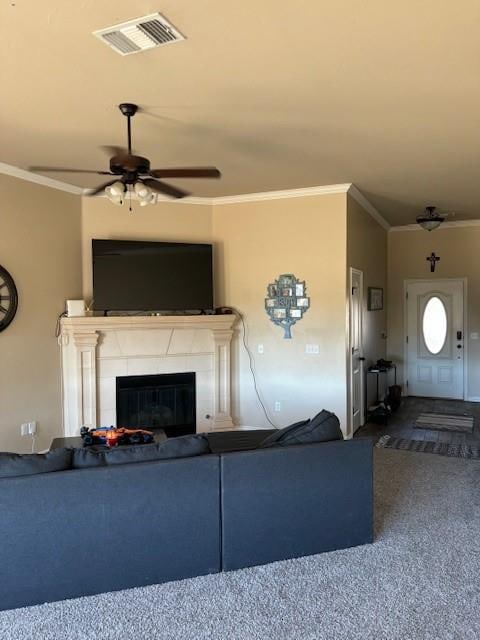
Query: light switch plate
[[312, 348]]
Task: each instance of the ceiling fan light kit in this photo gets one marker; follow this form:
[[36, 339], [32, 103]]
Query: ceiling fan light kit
[[133, 176], [430, 220]]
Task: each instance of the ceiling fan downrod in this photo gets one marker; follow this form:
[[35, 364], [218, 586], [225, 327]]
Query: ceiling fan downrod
[[129, 110]]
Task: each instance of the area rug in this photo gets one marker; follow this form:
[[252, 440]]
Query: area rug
[[445, 422], [424, 446]]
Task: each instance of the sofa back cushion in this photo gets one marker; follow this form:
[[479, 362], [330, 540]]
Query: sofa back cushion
[[324, 427], [27, 464], [181, 447]]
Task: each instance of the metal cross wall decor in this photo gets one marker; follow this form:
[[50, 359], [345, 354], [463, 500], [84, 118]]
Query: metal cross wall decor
[[286, 302], [433, 259]]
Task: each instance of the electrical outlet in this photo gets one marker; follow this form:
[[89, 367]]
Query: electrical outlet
[[28, 428], [278, 406], [312, 348], [260, 348]]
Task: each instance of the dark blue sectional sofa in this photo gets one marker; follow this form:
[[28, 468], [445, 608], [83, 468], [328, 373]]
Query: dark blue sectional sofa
[[85, 531]]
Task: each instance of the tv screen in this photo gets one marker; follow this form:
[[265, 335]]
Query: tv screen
[[152, 276]]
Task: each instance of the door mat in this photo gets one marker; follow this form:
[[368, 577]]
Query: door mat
[[422, 446], [445, 422]]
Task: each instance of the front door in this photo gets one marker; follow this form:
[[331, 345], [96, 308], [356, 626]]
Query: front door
[[435, 338]]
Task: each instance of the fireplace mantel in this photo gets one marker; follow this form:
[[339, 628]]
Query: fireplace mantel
[[97, 349]]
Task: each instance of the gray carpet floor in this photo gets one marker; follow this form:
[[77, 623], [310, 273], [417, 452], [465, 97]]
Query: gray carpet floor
[[419, 580]]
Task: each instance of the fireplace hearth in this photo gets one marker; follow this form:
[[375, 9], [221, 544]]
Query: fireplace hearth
[[160, 401]]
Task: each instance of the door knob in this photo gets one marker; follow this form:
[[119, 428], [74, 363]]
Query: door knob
[[459, 346]]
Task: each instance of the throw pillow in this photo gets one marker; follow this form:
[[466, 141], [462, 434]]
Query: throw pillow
[[324, 427], [27, 464], [181, 447]]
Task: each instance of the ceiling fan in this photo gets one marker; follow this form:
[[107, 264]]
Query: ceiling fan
[[133, 172]]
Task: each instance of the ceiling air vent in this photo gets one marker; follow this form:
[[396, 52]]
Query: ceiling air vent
[[139, 34]]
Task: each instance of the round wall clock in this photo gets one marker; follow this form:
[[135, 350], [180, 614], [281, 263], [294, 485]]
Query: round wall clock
[[8, 298]]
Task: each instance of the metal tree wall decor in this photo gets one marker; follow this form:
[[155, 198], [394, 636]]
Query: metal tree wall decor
[[287, 301]]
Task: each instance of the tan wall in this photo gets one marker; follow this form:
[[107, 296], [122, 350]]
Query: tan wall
[[459, 250], [255, 243], [40, 247], [367, 251], [169, 221]]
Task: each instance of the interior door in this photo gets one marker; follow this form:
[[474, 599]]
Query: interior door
[[356, 350], [435, 338]]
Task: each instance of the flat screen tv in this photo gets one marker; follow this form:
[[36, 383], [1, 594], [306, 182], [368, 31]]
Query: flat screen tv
[[152, 276]]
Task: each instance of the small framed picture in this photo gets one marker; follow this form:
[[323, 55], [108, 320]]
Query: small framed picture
[[272, 291], [286, 292], [270, 302], [295, 313], [299, 290], [280, 313], [302, 302], [375, 299]]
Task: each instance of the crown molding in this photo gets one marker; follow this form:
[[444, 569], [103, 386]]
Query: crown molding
[[351, 189], [282, 194], [368, 206], [448, 224], [29, 176]]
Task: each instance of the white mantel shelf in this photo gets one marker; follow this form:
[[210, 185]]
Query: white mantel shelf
[[98, 349], [113, 323]]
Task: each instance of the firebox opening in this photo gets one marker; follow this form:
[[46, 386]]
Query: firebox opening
[[161, 401]]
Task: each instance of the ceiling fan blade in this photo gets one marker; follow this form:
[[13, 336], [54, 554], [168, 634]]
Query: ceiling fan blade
[[163, 187], [187, 172], [97, 190], [66, 170]]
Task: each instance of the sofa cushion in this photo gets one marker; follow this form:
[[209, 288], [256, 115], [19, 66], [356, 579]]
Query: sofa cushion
[[181, 447], [239, 440], [27, 464], [324, 427], [86, 458]]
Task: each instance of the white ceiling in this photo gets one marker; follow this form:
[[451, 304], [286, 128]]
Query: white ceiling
[[278, 95]]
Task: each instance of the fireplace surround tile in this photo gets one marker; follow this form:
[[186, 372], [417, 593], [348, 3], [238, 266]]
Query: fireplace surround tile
[[143, 343], [108, 367], [143, 366]]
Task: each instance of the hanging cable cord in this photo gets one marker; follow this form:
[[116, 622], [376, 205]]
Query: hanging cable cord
[[251, 362]]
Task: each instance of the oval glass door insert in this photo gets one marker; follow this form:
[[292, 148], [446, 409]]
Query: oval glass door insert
[[434, 325]]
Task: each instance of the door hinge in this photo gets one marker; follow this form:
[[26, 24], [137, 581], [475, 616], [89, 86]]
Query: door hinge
[[407, 339], [407, 383], [406, 295]]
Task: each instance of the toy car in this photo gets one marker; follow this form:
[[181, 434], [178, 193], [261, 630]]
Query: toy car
[[112, 436]]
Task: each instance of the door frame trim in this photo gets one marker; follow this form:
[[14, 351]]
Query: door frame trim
[[350, 434], [464, 281]]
